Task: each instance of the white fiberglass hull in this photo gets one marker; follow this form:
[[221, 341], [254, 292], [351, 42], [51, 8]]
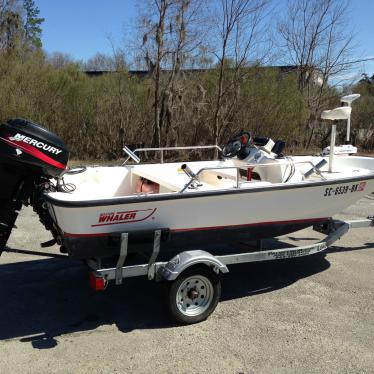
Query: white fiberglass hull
[[263, 211], [212, 211]]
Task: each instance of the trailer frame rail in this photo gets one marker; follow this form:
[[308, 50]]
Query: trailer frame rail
[[171, 269]]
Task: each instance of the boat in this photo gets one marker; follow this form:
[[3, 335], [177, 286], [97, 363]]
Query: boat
[[252, 191]]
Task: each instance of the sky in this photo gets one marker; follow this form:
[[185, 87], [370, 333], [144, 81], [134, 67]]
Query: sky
[[81, 28]]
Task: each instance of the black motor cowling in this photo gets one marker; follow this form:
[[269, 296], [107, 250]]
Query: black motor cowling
[[24, 143], [29, 155]]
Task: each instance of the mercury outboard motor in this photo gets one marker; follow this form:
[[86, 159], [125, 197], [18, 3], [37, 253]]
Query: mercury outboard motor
[[29, 156]]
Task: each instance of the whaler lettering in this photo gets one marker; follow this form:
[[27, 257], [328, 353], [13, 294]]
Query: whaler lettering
[[120, 218], [114, 217]]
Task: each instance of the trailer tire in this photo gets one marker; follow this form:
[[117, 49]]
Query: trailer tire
[[194, 295]]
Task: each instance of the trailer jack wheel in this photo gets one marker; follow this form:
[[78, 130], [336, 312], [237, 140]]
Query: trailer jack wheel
[[194, 295]]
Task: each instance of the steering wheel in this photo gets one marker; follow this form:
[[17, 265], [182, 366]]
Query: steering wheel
[[237, 144]]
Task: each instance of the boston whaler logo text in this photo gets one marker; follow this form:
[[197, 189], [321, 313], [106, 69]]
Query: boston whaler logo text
[[35, 143], [114, 218]]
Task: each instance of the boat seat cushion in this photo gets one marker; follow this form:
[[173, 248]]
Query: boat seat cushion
[[343, 112]]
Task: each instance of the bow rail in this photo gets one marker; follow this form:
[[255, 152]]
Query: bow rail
[[133, 154]]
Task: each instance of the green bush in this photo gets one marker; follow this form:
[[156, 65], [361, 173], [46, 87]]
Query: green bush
[[96, 116]]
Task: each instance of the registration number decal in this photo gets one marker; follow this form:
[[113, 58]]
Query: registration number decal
[[342, 190]]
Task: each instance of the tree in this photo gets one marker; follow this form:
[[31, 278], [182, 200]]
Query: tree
[[238, 23], [366, 79], [363, 112], [318, 41], [20, 25], [32, 25], [169, 36], [11, 27], [59, 59], [100, 62]]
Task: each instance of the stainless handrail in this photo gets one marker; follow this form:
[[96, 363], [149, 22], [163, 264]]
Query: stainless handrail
[[243, 167], [162, 149], [131, 154]]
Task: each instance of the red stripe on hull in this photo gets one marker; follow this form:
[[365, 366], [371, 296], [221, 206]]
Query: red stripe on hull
[[69, 235], [36, 153]]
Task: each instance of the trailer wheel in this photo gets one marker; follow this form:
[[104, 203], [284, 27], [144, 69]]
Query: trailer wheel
[[194, 295]]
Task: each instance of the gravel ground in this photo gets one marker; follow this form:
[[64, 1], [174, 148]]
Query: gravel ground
[[310, 315]]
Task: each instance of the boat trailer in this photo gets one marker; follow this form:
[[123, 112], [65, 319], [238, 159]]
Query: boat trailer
[[195, 289]]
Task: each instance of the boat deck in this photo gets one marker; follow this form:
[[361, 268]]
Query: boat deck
[[115, 182]]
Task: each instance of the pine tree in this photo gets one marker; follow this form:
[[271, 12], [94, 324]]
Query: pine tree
[[33, 24]]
